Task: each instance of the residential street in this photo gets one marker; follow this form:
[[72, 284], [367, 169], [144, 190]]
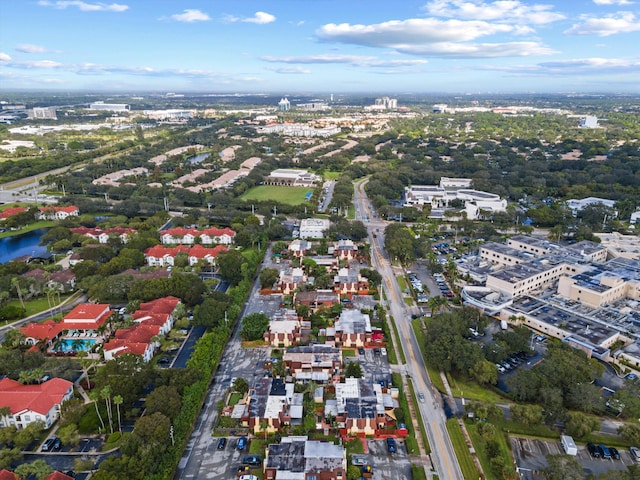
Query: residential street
[[442, 452]]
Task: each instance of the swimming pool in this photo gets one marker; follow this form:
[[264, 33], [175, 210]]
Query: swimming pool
[[75, 344]]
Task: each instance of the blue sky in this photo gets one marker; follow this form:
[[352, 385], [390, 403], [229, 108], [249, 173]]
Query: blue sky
[[339, 46]]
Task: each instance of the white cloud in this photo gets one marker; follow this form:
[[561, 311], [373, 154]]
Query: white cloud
[[409, 32], [500, 11], [612, 2], [260, 18], [84, 6], [28, 48], [355, 60], [478, 50], [38, 64], [290, 70], [572, 67], [433, 37], [4, 57], [191, 15], [620, 22]]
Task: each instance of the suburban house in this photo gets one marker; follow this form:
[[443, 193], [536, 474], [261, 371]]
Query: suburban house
[[299, 248], [159, 256], [345, 250], [103, 236], [314, 359], [291, 279], [301, 458], [152, 320], [284, 330], [57, 213], [65, 280], [32, 403], [270, 405], [188, 236], [316, 299], [364, 407], [349, 281], [352, 329], [138, 340]]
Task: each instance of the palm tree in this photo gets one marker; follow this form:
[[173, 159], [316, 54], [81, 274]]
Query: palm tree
[[16, 284], [95, 396], [118, 401], [105, 393], [437, 304]]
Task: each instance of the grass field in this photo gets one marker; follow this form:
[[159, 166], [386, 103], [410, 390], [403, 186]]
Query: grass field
[[470, 389], [288, 195], [331, 175], [37, 305], [469, 471], [28, 228]]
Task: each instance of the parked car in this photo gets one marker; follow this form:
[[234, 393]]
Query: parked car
[[57, 444], [614, 453], [47, 446], [361, 350], [242, 443], [391, 445], [604, 451], [252, 460], [635, 453], [383, 351], [222, 443], [595, 453]]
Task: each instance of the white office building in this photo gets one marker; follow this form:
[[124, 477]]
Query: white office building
[[313, 227]]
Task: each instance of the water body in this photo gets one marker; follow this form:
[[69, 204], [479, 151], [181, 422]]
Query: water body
[[24, 244], [199, 158]]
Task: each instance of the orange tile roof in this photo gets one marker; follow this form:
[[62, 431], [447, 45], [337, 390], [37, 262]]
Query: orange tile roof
[[38, 398], [7, 475]]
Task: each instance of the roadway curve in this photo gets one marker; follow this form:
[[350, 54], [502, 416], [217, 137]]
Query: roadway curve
[[442, 453]]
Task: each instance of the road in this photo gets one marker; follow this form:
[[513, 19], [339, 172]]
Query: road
[[442, 453]]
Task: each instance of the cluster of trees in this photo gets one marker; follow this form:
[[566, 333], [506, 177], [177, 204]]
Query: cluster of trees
[[563, 381], [151, 452]]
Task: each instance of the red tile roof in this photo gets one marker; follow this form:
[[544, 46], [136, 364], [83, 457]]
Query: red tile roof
[[89, 316], [58, 476], [69, 209], [126, 347], [11, 211], [38, 398], [42, 331], [159, 305], [197, 251], [7, 475], [212, 232]]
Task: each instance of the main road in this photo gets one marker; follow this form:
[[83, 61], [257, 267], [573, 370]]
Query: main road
[[442, 453]]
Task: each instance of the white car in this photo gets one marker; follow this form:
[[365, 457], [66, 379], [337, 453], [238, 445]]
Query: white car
[[383, 351]]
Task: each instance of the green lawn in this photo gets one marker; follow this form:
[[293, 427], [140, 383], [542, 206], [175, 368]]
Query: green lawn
[[288, 195], [28, 228], [417, 472], [348, 352], [470, 389], [235, 398], [330, 175], [469, 471], [434, 375], [396, 340], [479, 444], [37, 305]]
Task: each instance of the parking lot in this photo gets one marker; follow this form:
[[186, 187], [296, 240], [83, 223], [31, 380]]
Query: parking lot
[[389, 465], [531, 455]]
